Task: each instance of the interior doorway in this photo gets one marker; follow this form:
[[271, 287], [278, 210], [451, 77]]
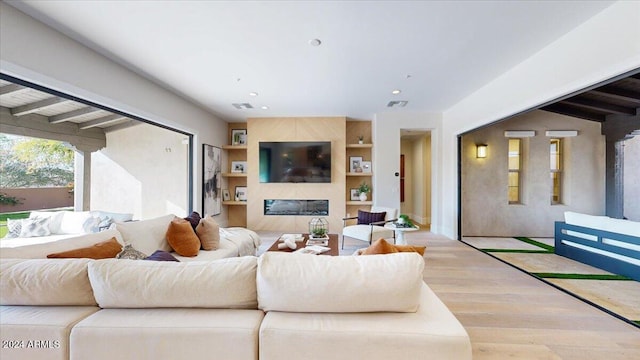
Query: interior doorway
[[415, 175]]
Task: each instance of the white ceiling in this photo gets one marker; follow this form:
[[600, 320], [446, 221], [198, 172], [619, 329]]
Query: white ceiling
[[216, 52]]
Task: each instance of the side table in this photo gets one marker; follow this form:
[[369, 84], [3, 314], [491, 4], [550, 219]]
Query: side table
[[400, 232]]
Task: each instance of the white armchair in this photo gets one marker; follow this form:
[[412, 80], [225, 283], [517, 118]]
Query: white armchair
[[370, 231]]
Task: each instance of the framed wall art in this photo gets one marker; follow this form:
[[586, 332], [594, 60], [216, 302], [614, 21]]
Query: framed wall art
[[211, 180]]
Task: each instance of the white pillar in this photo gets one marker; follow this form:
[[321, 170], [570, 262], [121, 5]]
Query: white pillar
[[82, 180]]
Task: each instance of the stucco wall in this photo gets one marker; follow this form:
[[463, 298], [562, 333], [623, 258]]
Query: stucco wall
[[485, 207], [143, 170], [632, 178]]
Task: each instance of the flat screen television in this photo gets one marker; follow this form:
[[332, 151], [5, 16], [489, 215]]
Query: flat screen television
[[295, 162]]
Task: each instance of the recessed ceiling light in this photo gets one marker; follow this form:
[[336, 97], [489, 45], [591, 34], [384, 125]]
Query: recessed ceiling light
[[241, 106], [264, 107], [253, 93], [315, 42], [396, 91]]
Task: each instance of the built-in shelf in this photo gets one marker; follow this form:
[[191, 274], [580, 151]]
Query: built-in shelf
[[234, 147], [235, 203], [359, 146], [234, 175], [357, 203], [359, 174]]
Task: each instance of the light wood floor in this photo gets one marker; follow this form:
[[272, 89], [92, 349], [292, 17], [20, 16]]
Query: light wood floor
[[509, 314]]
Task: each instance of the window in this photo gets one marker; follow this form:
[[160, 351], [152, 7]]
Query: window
[[555, 165], [515, 163]]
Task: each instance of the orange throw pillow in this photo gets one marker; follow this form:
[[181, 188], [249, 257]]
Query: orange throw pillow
[[182, 238], [208, 231], [380, 246], [411, 248], [102, 250]]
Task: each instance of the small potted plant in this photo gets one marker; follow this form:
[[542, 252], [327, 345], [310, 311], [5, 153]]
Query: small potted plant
[[360, 139], [404, 221], [363, 189]]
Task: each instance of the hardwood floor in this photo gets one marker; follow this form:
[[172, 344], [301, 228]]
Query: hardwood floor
[[508, 313]]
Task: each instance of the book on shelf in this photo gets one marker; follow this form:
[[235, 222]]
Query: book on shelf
[[294, 237], [313, 250], [318, 241]]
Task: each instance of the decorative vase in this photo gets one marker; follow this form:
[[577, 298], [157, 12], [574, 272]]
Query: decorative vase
[[363, 196]]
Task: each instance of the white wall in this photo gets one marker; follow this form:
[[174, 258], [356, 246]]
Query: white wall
[[150, 184], [386, 157], [605, 46], [34, 52]]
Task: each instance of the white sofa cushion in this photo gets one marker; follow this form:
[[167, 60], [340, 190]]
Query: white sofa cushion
[[225, 283], [40, 247], [167, 334], [147, 235], [432, 332], [45, 282], [42, 332], [309, 283]]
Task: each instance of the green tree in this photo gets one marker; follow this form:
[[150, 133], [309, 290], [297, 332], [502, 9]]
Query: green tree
[[29, 162]]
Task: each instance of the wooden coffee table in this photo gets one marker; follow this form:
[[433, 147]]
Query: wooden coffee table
[[333, 245]]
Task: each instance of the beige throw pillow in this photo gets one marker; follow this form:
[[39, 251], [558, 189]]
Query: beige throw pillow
[[208, 231]]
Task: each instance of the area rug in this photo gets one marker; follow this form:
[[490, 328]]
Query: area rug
[[615, 294]]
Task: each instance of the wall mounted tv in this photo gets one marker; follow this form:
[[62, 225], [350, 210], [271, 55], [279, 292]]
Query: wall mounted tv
[[295, 162]]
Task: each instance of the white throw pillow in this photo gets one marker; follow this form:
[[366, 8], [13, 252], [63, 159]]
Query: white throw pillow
[[338, 284], [225, 283], [147, 235], [14, 227], [55, 219], [45, 282], [73, 222], [35, 227]]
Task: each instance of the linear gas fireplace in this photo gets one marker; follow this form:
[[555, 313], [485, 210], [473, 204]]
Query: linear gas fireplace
[[296, 207]]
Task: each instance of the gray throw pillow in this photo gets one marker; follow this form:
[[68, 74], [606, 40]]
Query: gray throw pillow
[[128, 252], [35, 227]]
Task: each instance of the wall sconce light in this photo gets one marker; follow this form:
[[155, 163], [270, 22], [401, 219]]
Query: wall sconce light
[[481, 151]]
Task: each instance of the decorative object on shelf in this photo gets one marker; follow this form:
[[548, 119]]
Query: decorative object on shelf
[[363, 189], [355, 195], [239, 167], [238, 136], [211, 172], [404, 222], [226, 196], [318, 228], [366, 166], [355, 164], [360, 139], [241, 193]]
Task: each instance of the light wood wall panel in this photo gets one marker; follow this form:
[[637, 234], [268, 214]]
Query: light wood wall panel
[[296, 129]]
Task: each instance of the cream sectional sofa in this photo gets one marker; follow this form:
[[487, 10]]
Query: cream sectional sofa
[[145, 236], [276, 306]]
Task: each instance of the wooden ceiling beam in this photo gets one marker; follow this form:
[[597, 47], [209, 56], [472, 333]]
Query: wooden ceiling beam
[[101, 121], [37, 106], [72, 115], [617, 93], [12, 89], [574, 112], [599, 106]]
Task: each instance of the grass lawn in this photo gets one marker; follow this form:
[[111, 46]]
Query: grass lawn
[[13, 215]]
